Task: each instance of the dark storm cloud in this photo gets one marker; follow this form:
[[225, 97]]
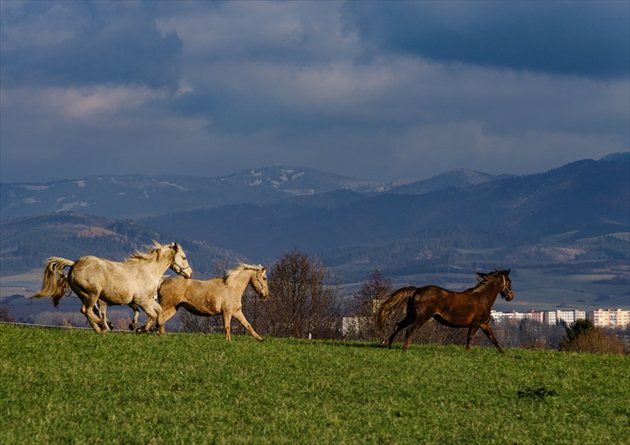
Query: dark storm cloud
[[576, 38], [104, 44], [380, 90]]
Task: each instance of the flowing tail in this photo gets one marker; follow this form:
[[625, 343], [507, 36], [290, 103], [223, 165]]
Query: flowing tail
[[55, 282], [393, 303]]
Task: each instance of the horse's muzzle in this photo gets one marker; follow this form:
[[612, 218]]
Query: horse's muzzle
[[184, 272]]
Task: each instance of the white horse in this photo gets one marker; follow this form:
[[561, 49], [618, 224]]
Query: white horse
[[132, 282]]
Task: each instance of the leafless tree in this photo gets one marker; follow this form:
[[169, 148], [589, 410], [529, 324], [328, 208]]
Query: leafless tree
[[58, 318], [361, 314], [302, 300], [5, 314]]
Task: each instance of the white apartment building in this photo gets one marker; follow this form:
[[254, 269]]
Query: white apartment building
[[614, 318], [546, 317], [512, 315], [555, 317]]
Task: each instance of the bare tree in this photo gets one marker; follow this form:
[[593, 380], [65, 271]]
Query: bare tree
[[5, 314], [58, 318], [302, 300], [360, 317]]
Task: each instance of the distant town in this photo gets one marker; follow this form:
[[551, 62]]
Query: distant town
[[609, 318]]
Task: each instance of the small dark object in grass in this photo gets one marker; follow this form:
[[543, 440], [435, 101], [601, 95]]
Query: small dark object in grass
[[540, 393]]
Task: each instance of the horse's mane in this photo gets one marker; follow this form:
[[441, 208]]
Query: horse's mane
[[483, 279], [233, 273], [147, 256]]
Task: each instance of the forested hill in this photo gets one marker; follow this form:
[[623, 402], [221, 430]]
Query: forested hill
[[581, 200], [136, 196], [27, 242]]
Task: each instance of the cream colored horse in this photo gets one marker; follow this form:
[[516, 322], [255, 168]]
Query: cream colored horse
[[221, 295], [132, 282]]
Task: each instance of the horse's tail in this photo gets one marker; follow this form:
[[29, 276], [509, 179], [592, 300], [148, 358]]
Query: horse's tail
[[55, 283], [394, 303]]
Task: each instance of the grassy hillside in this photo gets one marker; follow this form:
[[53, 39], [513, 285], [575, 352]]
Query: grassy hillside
[[72, 386]]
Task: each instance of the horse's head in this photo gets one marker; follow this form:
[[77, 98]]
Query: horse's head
[[506, 291], [180, 265], [259, 282]]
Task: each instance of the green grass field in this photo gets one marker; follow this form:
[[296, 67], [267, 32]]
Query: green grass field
[[77, 386]]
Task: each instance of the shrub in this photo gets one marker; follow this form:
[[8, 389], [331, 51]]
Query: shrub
[[595, 341]]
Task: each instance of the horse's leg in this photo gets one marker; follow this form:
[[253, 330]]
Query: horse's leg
[[101, 307], [420, 320], [97, 311], [409, 318], [241, 318], [158, 309], [167, 312], [88, 310], [105, 319], [153, 309], [136, 313], [472, 330], [227, 319], [487, 329]]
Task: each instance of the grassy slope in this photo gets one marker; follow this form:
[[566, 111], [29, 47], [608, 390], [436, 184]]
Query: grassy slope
[[70, 386]]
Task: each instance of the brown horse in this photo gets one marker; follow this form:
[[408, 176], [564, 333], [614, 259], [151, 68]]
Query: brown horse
[[221, 295], [468, 309], [132, 282]]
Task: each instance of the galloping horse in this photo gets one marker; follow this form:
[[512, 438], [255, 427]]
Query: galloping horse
[[470, 308], [132, 282], [221, 295]]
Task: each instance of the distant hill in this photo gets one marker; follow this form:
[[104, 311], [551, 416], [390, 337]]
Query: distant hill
[[589, 198], [27, 242], [143, 196], [454, 179]]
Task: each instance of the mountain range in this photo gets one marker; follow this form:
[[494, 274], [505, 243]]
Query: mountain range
[[585, 198], [132, 197], [574, 215]]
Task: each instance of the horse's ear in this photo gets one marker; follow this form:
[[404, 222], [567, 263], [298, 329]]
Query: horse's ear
[[508, 272], [264, 268], [175, 247]]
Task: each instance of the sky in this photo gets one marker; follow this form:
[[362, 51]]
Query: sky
[[388, 91]]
